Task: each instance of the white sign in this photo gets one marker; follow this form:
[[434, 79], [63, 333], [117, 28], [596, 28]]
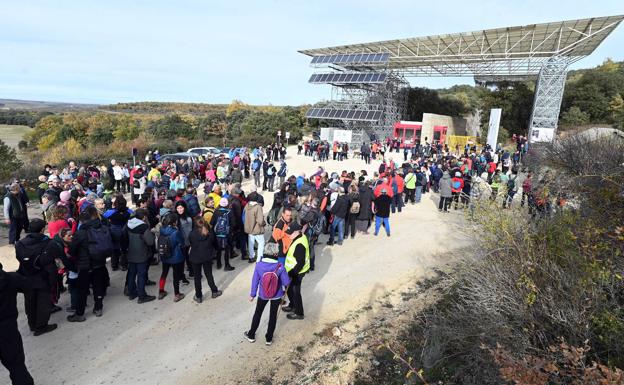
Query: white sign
[[279, 133], [492, 137], [287, 135], [326, 133], [342, 136], [542, 135]]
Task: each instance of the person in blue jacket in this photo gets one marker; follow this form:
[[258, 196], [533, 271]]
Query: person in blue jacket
[[171, 255], [266, 265]]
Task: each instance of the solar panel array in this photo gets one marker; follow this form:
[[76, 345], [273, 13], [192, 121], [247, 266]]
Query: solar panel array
[[341, 114], [348, 78], [362, 58]]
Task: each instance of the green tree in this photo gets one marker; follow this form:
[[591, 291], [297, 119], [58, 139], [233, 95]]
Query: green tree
[[171, 127], [9, 163], [616, 107], [574, 117]]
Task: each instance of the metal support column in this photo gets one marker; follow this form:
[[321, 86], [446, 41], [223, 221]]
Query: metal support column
[[547, 100]]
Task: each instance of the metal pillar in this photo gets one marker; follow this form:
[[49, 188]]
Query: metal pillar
[[547, 100]]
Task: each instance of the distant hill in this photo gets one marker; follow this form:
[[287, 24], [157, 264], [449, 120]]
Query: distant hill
[[35, 105], [166, 108]]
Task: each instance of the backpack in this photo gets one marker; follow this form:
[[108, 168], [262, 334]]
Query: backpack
[[272, 216], [456, 184], [511, 184], [164, 247], [136, 184], [270, 282], [355, 208], [319, 225], [29, 264], [270, 170], [100, 243], [222, 227]]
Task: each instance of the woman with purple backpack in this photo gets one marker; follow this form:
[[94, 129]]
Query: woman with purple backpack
[[269, 282]]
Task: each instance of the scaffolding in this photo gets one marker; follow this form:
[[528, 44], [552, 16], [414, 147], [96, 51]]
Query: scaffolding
[[542, 51]]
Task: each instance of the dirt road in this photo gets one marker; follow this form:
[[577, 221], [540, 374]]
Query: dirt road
[[185, 343]]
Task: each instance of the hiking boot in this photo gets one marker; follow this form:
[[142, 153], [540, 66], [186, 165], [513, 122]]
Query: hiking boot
[[250, 339], [219, 265], [147, 298], [76, 318], [228, 268], [330, 243], [185, 282], [197, 299], [55, 309], [287, 309], [251, 260], [388, 234], [149, 283], [132, 297], [294, 316], [46, 329], [178, 297], [268, 342], [162, 294], [98, 312], [217, 294]]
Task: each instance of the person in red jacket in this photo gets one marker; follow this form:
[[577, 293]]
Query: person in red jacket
[[457, 184]]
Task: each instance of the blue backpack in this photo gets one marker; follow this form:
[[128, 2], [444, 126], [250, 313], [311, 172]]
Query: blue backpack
[[222, 227]]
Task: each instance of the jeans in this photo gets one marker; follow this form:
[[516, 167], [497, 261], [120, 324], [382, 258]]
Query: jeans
[[197, 268], [137, 277], [15, 229], [255, 322], [252, 239], [256, 175], [379, 221], [339, 224], [418, 193], [397, 202]]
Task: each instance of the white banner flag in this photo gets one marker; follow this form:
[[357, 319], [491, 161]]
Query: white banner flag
[[492, 137]]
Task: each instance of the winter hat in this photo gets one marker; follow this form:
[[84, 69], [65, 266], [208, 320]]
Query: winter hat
[[223, 202], [65, 196]]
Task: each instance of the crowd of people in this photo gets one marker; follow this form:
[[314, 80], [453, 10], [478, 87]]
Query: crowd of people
[[86, 219]]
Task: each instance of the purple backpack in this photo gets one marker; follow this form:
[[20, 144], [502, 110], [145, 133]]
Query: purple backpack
[[270, 282]]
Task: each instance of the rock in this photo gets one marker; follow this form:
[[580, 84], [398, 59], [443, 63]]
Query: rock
[[336, 332], [376, 363]]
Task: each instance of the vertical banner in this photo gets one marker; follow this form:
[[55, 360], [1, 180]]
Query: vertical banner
[[492, 137]]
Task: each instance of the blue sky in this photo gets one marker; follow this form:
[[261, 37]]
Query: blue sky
[[216, 51]]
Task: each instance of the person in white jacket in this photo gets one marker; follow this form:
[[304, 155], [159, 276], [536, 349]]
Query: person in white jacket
[[118, 174]]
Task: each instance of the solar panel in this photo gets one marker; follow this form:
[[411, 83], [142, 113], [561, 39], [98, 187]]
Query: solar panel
[[344, 114], [348, 78], [351, 58]]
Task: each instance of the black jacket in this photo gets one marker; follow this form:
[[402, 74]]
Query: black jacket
[[382, 206], [10, 285], [365, 199], [201, 247], [79, 248], [34, 245], [341, 207], [141, 241]]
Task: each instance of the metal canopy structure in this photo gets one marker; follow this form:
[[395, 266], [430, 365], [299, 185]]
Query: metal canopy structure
[[513, 53]]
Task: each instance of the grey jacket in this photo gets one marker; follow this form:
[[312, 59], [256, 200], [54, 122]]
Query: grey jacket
[[141, 241], [445, 186]]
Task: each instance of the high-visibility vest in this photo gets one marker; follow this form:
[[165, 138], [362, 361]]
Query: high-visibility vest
[[291, 261]]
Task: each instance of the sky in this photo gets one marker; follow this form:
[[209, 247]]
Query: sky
[[217, 51]]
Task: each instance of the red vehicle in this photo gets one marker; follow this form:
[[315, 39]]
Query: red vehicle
[[407, 132], [439, 134]]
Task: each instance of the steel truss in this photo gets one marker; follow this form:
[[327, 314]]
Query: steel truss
[[513, 54], [547, 100]]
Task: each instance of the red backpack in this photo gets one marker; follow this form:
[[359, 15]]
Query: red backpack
[[270, 282]]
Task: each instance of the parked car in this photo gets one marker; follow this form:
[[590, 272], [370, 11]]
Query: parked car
[[180, 155], [204, 151]]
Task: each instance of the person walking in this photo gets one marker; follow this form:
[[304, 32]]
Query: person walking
[[268, 283], [141, 243], [11, 345], [446, 192], [382, 211], [15, 215], [254, 227], [200, 255], [297, 265], [281, 173], [222, 223], [91, 246], [170, 243], [339, 210], [36, 265]]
